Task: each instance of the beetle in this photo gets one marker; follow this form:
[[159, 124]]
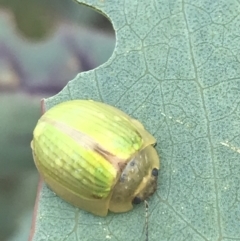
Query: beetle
[[95, 156]]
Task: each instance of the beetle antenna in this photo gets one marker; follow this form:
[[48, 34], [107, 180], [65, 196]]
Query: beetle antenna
[[146, 218]]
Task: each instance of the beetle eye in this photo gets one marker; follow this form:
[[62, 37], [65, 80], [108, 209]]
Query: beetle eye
[[155, 172], [136, 200]]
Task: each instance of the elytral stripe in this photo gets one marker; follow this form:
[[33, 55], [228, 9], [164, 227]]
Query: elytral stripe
[[87, 142], [126, 127]]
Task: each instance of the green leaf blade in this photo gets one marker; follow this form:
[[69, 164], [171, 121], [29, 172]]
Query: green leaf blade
[[176, 69]]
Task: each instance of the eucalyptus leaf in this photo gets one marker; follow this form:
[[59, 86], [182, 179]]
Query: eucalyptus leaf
[[176, 68]]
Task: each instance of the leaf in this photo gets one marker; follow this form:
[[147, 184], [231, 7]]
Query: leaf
[[175, 68]]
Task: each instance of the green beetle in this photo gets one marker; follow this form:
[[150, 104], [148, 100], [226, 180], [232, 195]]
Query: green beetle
[[95, 156]]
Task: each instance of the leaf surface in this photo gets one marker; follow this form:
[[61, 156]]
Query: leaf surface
[[175, 68]]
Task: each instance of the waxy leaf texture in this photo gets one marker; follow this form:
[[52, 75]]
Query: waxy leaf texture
[[176, 68]]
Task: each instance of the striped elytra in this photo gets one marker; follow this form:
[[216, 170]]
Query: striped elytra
[[95, 156]]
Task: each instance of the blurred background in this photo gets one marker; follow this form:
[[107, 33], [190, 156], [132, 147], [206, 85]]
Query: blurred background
[[43, 45]]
